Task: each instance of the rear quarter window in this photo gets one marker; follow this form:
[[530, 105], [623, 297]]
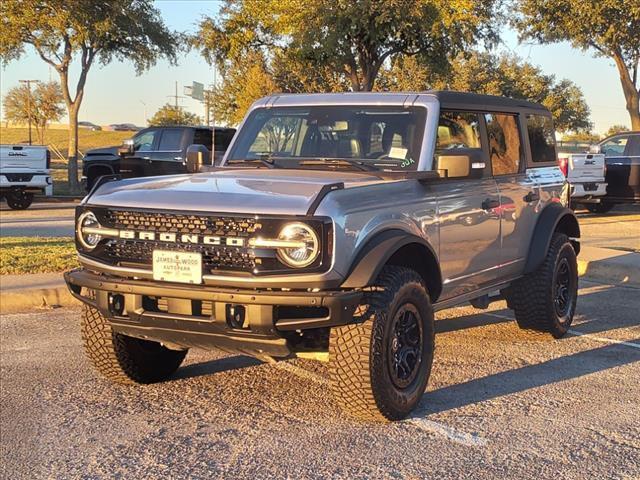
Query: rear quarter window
[[542, 139]]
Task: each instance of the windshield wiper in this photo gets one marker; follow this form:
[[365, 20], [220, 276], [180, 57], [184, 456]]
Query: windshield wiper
[[267, 161], [348, 162]]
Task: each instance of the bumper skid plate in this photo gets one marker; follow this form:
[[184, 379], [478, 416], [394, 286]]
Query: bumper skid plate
[[202, 316]]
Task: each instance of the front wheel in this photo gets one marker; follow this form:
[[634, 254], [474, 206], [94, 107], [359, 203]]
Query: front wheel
[[545, 300], [124, 359], [19, 200], [379, 368]]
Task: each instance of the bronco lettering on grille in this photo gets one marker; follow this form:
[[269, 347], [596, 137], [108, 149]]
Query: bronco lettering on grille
[[182, 238]]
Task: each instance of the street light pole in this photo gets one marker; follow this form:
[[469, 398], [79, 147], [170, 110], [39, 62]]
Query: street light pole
[[28, 83]]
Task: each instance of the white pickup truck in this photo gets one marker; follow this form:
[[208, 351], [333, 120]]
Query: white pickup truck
[[585, 173], [24, 171]]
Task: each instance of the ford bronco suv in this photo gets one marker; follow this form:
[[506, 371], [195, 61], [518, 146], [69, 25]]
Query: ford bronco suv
[[335, 227]]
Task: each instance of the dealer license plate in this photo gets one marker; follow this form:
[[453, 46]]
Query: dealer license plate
[[182, 267]]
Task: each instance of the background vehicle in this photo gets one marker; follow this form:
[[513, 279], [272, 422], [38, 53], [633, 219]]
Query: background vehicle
[[152, 151], [24, 171], [90, 126], [585, 173], [340, 247], [622, 158], [124, 127]]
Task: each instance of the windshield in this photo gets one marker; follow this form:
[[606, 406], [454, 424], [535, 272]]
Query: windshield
[[385, 138]]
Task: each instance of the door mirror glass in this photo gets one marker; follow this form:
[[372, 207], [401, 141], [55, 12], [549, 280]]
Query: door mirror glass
[[127, 147], [460, 166], [197, 156]]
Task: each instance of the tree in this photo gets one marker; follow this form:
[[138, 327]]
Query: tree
[[169, 115], [508, 75], [352, 38], [615, 129], [611, 28], [581, 137], [97, 31], [44, 106]]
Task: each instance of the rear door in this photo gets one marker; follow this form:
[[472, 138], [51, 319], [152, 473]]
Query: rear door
[[517, 190], [469, 247]]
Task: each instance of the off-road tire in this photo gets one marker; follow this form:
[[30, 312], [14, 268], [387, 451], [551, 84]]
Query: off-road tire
[[602, 207], [361, 378], [124, 359], [19, 200], [532, 297]]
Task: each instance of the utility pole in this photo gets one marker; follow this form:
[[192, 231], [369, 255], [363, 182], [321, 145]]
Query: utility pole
[[213, 118], [28, 83], [176, 96]]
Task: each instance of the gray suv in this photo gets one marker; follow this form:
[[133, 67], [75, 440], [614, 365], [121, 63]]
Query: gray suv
[[336, 226]]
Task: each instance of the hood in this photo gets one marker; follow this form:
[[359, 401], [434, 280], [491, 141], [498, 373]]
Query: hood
[[254, 191], [103, 151]]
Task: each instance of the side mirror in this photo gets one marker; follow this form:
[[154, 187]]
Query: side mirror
[[126, 148], [465, 165], [197, 156], [595, 149]]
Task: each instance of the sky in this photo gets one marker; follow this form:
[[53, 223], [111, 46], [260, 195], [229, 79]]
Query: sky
[[114, 94]]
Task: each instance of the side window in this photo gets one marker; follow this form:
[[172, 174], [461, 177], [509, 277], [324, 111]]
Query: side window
[[505, 148], [144, 141], [171, 140], [202, 137], [615, 147], [457, 130], [542, 138]]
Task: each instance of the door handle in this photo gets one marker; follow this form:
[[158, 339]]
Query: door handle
[[146, 158], [490, 203], [531, 197]]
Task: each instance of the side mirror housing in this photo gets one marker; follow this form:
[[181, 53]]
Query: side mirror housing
[[463, 164], [126, 148], [197, 156]]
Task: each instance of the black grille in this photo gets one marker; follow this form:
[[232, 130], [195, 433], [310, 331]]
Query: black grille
[[134, 253], [179, 223], [18, 177]]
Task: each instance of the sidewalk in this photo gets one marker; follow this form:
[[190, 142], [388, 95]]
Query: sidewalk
[[26, 292]]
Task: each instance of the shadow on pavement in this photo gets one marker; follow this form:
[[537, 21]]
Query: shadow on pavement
[[520, 379], [215, 366]]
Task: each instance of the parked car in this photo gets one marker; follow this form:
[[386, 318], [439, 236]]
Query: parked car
[[124, 127], [325, 235], [152, 151], [585, 173], [24, 171], [622, 159], [90, 126]]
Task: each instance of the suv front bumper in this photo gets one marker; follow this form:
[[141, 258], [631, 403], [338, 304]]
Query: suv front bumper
[[202, 316]]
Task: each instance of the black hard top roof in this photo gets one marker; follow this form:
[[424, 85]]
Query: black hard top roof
[[475, 101]]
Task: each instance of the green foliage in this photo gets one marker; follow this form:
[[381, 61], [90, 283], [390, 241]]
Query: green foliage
[[19, 255], [611, 28], [581, 137], [616, 129], [43, 105], [352, 39], [170, 115]]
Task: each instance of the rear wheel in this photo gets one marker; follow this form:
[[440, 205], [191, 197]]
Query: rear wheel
[[599, 207], [545, 300], [380, 368], [126, 359], [19, 200]]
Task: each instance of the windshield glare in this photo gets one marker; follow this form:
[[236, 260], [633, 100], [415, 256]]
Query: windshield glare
[[386, 138]]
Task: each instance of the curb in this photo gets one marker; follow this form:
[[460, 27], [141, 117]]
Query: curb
[[59, 296]]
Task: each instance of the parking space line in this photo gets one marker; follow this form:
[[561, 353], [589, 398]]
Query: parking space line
[[603, 339], [462, 438]]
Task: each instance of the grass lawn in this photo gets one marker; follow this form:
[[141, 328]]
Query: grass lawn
[[36, 255], [59, 139]]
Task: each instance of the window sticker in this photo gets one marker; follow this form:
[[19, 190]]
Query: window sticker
[[398, 152]]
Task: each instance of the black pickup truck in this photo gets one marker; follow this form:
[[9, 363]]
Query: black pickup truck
[[153, 151]]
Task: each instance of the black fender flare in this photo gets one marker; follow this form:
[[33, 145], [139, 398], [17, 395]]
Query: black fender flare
[[552, 218], [99, 164], [378, 251]]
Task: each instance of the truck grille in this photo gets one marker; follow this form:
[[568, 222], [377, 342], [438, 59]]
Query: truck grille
[[139, 253]]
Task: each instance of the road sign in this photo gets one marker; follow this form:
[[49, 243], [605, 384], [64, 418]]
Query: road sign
[[197, 91]]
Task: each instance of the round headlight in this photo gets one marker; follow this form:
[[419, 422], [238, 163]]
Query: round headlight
[[307, 251], [85, 230]]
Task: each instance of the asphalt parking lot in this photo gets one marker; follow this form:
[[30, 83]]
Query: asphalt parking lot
[[502, 403]]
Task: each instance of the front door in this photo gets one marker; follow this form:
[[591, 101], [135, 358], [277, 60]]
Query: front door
[[136, 164], [469, 248], [167, 158]]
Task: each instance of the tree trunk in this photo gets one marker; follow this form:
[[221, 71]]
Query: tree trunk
[[72, 166], [631, 94]]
